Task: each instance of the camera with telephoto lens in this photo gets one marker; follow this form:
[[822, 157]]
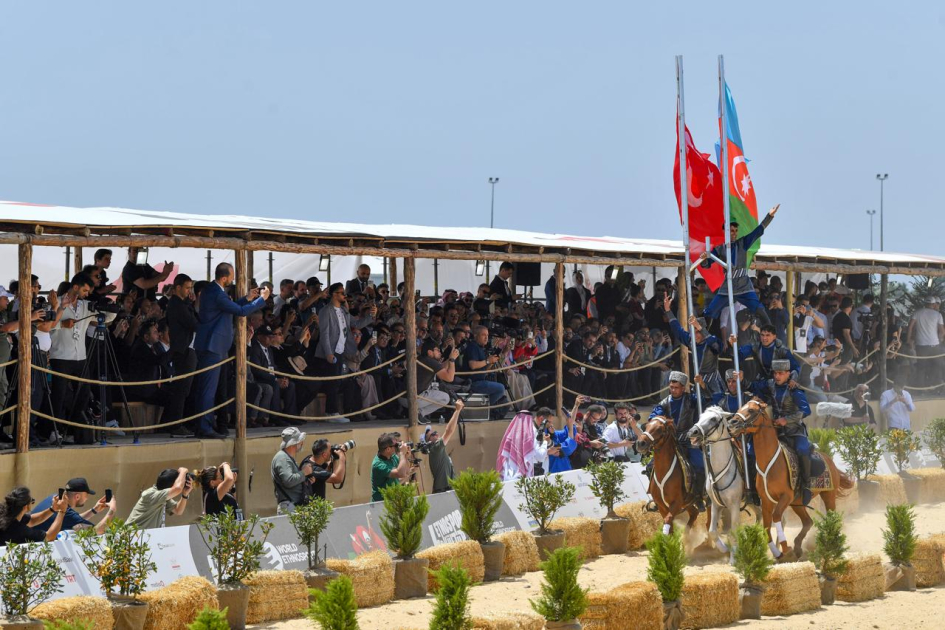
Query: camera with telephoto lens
[[344, 446], [104, 305]]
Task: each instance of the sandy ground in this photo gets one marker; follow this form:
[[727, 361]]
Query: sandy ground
[[922, 609]]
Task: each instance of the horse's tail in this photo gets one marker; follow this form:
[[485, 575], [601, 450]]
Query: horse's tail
[[844, 481]]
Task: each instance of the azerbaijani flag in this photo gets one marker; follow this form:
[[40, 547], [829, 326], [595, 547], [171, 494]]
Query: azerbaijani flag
[[741, 192]]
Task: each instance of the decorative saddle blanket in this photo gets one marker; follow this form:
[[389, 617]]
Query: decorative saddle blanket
[[819, 472]]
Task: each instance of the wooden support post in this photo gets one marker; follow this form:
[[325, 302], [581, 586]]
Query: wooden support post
[[77, 260], [393, 280], [436, 277], [410, 327], [250, 270], [789, 306], [682, 305], [25, 360], [242, 288], [559, 337], [883, 346]]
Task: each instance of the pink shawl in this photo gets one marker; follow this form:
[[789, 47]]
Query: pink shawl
[[517, 443]]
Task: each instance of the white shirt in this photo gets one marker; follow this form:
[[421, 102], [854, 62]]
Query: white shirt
[[612, 435], [622, 352], [277, 303], [69, 343], [814, 330], [897, 412], [927, 321], [857, 313], [815, 369], [725, 319], [343, 325]]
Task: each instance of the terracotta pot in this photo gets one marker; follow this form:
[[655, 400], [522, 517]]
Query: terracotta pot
[[570, 624], [868, 494], [493, 554], [318, 578], [749, 598], [913, 487], [235, 598], [672, 615], [548, 543], [899, 577], [128, 612], [614, 535], [21, 622], [828, 590], [410, 577]]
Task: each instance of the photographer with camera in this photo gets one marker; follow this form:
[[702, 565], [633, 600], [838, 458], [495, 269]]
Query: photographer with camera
[[138, 273], [591, 446], [219, 488], [434, 446], [479, 357], [158, 501], [288, 478], [621, 434], [328, 466], [391, 466]]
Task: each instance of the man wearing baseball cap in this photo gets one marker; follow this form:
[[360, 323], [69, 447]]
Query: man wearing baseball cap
[[76, 494]]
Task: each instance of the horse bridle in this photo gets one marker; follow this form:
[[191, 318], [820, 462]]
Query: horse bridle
[[653, 440]]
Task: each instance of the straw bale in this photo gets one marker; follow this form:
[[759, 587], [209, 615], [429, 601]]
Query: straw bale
[[466, 554], [710, 599], [580, 532], [892, 491], [96, 611], [521, 552], [849, 504], [276, 595], [791, 589], [643, 524], [372, 576], [508, 621], [635, 605], [929, 569], [863, 580], [178, 603], [932, 487]]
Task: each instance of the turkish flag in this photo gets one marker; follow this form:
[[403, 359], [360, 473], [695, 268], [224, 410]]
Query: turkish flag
[[706, 211]]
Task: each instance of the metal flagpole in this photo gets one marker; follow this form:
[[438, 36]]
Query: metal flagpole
[[728, 241], [684, 204]]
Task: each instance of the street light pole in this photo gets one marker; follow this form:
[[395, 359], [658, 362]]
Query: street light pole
[[872, 213], [882, 178], [492, 182]]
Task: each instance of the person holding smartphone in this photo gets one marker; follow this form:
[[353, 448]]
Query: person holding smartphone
[[76, 495], [18, 526]]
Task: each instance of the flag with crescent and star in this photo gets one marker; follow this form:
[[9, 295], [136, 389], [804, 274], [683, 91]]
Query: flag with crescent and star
[[706, 212], [743, 207]]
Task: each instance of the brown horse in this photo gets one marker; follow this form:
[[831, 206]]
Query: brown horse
[[772, 476], [667, 485]]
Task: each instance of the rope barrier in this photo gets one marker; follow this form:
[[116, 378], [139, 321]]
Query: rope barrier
[[846, 391], [8, 363], [7, 410], [918, 389], [290, 416], [618, 400], [338, 377], [170, 379], [491, 370], [910, 356], [133, 429], [489, 407], [863, 358], [622, 370]]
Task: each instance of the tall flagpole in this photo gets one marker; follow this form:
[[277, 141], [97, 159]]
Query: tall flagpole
[[684, 205]]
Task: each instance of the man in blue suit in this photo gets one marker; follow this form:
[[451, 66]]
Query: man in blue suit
[[215, 337]]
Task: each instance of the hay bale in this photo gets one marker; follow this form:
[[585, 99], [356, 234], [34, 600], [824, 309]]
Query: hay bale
[[521, 552], [791, 589], [508, 621], [849, 504], [580, 532], [95, 611], [276, 595], [639, 601], [178, 603], [929, 569], [710, 599], [932, 487], [643, 524], [466, 554], [863, 580], [372, 575], [892, 491]]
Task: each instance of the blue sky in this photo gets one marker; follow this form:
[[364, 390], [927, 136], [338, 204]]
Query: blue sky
[[399, 112]]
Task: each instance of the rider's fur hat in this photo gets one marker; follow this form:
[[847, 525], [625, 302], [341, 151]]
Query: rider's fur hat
[[780, 365], [729, 374], [678, 377]]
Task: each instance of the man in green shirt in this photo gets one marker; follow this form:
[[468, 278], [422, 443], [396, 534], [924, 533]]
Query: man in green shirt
[[441, 465], [389, 468], [158, 501]]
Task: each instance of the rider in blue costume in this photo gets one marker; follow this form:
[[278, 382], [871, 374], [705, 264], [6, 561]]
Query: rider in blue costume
[[730, 402], [708, 348], [766, 351]]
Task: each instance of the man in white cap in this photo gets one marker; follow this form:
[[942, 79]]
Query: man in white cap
[[288, 479]]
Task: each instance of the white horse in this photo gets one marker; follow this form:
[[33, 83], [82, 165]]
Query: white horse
[[724, 484]]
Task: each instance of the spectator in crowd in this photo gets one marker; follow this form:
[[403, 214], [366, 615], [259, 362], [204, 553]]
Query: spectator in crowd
[[328, 466], [842, 329], [391, 465], [282, 398], [778, 315], [551, 294], [441, 465], [926, 333], [288, 478], [143, 276], [359, 285], [167, 497], [18, 526], [896, 404], [861, 413], [103, 260], [76, 494], [501, 286], [589, 437], [286, 293], [621, 434], [862, 316], [150, 361], [576, 296], [335, 324], [435, 369], [560, 444], [219, 490], [182, 323], [479, 358]]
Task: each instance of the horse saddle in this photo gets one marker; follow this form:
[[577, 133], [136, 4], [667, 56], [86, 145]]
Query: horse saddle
[[688, 474], [819, 473]]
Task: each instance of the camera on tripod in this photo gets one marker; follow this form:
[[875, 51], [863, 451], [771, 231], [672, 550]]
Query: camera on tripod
[[104, 305]]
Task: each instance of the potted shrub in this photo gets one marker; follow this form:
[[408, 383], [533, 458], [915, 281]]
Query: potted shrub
[[859, 447], [752, 563], [899, 544], [210, 619], [309, 521], [607, 485], [235, 551], [28, 576], [824, 440], [542, 499], [402, 525], [334, 608], [121, 561], [830, 545], [902, 443], [934, 437], [562, 601], [480, 497], [78, 624], [666, 563], [451, 608]]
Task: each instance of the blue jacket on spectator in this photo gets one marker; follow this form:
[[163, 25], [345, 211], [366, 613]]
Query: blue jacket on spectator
[[215, 331]]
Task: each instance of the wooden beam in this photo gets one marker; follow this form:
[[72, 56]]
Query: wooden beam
[[239, 447], [683, 308], [24, 364], [77, 260], [789, 305], [559, 337], [410, 327], [883, 345]]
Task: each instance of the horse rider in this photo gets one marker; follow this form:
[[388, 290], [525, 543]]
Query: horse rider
[[730, 402], [683, 408], [789, 408], [766, 351], [708, 347]]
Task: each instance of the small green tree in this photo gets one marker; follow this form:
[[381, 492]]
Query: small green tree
[[561, 598], [900, 539], [78, 624], [830, 545], [480, 497], [824, 439], [233, 544], [752, 561], [402, 522], [934, 438], [210, 619], [309, 521], [451, 608], [28, 576], [607, 484], [544, 498], [334, 608], [901, 443], [120, 558], [859, 447], [666, 563]]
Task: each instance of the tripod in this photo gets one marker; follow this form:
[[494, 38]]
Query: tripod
[[39, 359], [103, 351]]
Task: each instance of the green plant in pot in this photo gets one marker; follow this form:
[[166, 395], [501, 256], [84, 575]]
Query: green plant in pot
[[210, 619], [667, 560], [235, 548], [607, 485], [830, 545], [335, 608], [541, 499], [562, 600], [480, 497], [451, 608], [902, 443], [752, 563], [29, 575], [899, 542], [824, 439], [934, 438], [402, 526], [860, 448], [309, 521], [120, 559]]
